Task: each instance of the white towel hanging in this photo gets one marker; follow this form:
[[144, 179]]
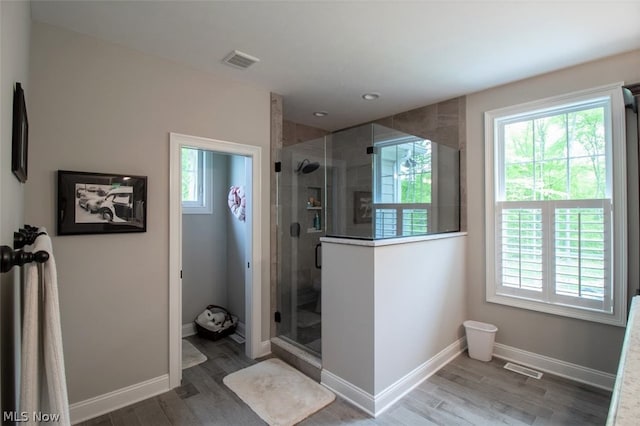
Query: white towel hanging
[[54, 399]]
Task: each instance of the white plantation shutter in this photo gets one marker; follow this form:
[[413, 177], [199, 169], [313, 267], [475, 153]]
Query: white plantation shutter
[[521, 251], [582, 253], [564, 243]]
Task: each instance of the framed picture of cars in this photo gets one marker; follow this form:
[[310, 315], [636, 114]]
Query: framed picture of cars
[[98, 203]]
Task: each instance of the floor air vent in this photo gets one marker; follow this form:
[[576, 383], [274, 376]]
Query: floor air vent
[[240, 60], [523, 370]]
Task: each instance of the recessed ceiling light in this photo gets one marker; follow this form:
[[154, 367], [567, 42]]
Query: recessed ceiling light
[[321, 113], [371, 96]]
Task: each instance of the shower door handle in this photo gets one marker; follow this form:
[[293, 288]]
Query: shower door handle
[[318, 265]]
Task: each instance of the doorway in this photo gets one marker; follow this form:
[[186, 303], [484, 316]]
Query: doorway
[[252, 281]]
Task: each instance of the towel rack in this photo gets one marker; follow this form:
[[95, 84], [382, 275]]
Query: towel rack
[[10, 257]]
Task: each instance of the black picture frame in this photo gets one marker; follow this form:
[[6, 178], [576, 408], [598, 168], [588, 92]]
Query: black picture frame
[[362, 207], [20, 142], [101, 203]]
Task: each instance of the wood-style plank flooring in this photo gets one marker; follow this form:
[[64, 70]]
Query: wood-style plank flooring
[[464, 392]]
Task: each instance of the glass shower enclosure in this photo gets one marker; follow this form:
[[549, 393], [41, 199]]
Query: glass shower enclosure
[[302, 212], [368, 182]]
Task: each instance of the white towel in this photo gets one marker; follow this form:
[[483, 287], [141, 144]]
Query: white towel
[[30, 354], [54, 396]]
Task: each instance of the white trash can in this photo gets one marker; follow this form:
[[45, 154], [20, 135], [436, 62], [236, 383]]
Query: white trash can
[[480, 338]]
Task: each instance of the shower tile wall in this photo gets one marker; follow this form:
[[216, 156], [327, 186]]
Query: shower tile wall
[[293, 133], [276, 147]]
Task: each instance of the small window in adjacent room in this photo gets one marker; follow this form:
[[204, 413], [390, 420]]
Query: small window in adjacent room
[[556, 206], [196, 181]]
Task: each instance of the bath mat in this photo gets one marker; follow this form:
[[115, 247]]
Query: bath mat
[[190, 355], [278, 393]]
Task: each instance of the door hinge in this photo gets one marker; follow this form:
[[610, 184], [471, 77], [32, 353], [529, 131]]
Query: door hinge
[[370, 150], [180, 273], [277, 317], [278, 166], [248, 265]]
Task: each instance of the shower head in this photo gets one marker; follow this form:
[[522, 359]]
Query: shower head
[[306, 166]]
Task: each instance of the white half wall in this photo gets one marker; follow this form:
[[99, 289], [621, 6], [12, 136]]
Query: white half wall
[[348, 313], [419, 304], [392, 314]]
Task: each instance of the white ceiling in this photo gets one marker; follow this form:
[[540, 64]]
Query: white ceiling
[[325, 55]]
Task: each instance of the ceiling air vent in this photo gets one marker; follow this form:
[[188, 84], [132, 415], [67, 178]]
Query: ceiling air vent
[[240, 60]]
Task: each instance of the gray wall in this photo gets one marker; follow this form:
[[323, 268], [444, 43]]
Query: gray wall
[[584, 343], [348, 333], [204, 248], [96, 106], [236, 243], [14, 67]]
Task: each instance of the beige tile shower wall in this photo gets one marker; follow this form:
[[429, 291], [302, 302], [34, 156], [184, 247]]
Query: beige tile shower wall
[[276, 147], [294, 133]]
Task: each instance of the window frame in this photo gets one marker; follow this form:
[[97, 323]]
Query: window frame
[[399, 207], [616, 165], [204, 203]]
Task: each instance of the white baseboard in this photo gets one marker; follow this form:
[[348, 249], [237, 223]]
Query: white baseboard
[[99, 405], [241, 329], [264, 349], [188, 329], [554, 366], [393, 393], [375, 405], [353, 394]]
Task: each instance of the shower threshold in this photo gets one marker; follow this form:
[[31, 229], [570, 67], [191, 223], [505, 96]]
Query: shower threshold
[[298, 356]]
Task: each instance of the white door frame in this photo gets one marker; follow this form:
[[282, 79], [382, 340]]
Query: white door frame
[[253, 283]]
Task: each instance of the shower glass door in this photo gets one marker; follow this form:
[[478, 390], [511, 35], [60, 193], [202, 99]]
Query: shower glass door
[[302, 211]]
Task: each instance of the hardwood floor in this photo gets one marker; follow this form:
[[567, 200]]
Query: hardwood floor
[[464, 392]]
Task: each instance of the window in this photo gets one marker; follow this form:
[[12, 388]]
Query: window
[[196, 181], [403, 187], [556, 210]]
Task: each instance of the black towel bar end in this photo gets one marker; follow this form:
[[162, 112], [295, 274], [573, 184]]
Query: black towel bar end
[[10, 258]]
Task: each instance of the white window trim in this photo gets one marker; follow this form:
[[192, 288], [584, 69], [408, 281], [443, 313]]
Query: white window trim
[[619, 214], [206, 207]]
